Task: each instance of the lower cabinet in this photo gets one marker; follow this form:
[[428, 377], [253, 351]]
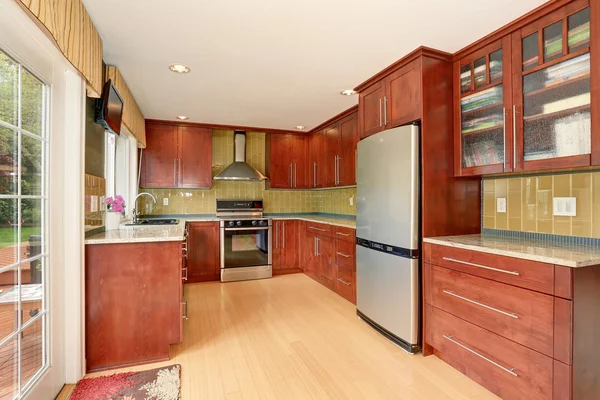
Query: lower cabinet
[[133, 308], [203, 255], [522, 329], [285, 246], [328, 256]]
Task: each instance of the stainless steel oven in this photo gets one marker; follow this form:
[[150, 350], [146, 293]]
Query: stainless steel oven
[[245, 241]]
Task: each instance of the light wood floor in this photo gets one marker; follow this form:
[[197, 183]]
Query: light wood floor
[[291, 338]]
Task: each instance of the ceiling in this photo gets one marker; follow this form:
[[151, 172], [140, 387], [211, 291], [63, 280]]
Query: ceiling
[[276, 63]]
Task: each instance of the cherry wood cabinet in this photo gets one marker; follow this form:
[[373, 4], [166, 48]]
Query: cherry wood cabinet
[[286, 161], [520, 328], [329, 155], [176, 156], [523, 96], [286, 244], [394, 100], [315, 159], [133, 303], [203, 260], [347, 152], [326, 259]]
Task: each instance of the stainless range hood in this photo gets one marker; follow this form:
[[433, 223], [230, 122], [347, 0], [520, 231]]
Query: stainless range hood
[[240, 170]]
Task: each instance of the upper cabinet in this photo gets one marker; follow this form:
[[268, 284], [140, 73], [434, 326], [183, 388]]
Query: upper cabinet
[[286, 162], [176, 156], [523, 102], [390, 101], [332, 153]]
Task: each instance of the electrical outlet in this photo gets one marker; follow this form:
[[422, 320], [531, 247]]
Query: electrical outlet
[[501, 204], [565, 206], [351, 201], [166, 201]]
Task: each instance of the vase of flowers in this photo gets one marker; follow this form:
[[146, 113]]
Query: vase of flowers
[[115, 209]]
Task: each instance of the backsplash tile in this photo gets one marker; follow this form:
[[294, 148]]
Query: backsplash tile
[[197, 201], [530, 201]]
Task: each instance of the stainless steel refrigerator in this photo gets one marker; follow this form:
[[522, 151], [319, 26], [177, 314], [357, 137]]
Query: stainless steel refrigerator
[[387, 234]]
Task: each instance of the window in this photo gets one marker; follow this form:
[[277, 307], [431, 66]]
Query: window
[[121, 167], [23, 227]]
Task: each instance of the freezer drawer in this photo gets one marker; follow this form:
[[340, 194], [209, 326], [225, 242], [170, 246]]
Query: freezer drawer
[[387, 289]]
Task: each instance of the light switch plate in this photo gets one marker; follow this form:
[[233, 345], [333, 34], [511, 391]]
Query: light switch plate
[[565, 206], [501, 204], [166, 201]]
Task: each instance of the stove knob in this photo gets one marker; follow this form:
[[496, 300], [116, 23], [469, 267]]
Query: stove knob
[[263, 223], [254, 223], [239, 223], [231, 223]]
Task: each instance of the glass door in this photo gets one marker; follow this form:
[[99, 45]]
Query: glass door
[[246, 247], [23, 234], [553, 103], [483, 106]]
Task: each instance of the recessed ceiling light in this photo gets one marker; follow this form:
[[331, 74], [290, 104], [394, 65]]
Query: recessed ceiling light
[[179, 68], [182, 117], [348, 92], [300, 127]]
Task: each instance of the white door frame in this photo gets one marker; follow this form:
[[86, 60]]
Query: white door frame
[[23, 40]]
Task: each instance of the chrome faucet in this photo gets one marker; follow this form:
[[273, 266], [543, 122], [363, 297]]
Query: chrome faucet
[[134, 211]]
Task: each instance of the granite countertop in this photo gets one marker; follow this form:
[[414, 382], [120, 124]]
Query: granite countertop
[[568, 255], [176, 233]]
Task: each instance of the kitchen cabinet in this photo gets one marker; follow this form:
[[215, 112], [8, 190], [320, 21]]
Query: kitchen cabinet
[[332, 152], [523, 101], [203, 253], [176, 156], [520, 328], [394, 99], [286, 162], [130, 290], [285, 246]]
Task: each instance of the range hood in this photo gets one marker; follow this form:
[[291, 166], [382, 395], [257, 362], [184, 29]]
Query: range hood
[[240, 170]]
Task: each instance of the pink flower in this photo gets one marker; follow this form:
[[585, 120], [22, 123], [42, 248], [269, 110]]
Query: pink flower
[[115, 205]]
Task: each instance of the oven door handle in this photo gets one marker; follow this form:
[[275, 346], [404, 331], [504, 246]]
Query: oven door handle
[[248, 229]]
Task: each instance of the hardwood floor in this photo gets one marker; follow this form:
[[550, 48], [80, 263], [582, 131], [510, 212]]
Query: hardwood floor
[[291, 338]]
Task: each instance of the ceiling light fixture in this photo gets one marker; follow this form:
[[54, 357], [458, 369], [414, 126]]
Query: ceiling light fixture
[[179, 68], [182, 117], [348, 92], [300, 127]]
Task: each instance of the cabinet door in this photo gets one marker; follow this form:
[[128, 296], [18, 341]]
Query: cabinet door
[[276, 249], [326, 255], [551, 76], [347, 157], [402, 99], [329, 154], [289, 240], [370, 110], [315, 160], [160, 157], [203, 252], [300, 162], [483, 104], [194, 166], [310, 261], [280, 162]]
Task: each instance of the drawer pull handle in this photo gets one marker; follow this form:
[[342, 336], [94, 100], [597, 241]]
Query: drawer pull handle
[[481, 304], [185, 316], [510, 371], [344, 282], [343, 234], [343, 255], [317, 229], [482, 266]]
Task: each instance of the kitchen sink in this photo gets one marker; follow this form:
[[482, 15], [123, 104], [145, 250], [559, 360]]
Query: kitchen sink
[[157, 221]]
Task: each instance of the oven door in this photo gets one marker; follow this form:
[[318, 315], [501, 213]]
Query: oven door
[[245, 247]]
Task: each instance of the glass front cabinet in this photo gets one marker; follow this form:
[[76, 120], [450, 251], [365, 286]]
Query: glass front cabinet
[[525, 101]]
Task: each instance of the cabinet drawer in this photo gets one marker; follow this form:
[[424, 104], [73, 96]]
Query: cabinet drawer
[[524, 273], [522, 315], [345, 234], [320, 229], [344, 284], [345, 254], [507, 369]]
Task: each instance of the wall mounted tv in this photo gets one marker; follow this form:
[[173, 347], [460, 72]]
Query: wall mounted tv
[[109, 108]]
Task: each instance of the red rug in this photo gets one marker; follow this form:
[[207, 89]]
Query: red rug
[[155, 384]]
